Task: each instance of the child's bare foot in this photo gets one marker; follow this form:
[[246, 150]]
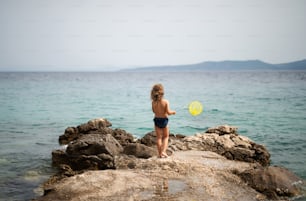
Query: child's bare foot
[[164, 155]]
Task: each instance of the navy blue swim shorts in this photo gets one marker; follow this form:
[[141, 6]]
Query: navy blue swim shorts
[[160, 122]]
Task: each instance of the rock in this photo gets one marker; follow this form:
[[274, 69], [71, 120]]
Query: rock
[[223, 130], [187, 175], [275, 182], [139, 150], [122, 136], [59, 157], [64, 171], [95, 126], [223, 140], [199, 163], [92, 126], [149, 139], [89, 152], [71, 133], [242, 154], [94, 144], [126, 161], [232, 146], [261, 154]]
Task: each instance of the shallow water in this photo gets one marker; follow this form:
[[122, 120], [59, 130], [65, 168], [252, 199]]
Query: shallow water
[[35, 108]]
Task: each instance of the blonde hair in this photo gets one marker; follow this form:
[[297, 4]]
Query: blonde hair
[[157, 92]]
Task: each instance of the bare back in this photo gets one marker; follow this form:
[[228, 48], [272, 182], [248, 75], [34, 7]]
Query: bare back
[[161, 108]]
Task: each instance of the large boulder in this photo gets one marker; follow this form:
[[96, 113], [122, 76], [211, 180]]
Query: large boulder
[[273, 181], [91, 151], [94, 144], [99, 125], [95, 126]]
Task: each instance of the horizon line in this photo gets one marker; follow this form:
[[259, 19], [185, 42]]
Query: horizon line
[[121, 69]]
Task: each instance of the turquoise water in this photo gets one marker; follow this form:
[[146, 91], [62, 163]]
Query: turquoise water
[[35, 108]]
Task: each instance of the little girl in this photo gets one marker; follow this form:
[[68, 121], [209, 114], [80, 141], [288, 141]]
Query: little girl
[[161, 110]]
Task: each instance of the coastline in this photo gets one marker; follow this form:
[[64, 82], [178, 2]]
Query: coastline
[[213, 161]]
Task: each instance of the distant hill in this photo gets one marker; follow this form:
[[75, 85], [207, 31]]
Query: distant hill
[[296, 65], [225, 65]]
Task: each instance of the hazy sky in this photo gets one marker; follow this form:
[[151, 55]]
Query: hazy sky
[[104, 34]]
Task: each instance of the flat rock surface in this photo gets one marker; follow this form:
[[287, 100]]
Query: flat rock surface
[[187, 175]]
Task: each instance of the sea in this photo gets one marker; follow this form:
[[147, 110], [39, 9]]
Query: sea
[[269, 107]]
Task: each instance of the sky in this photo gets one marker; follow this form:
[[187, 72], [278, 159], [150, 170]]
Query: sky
[[103, 35]]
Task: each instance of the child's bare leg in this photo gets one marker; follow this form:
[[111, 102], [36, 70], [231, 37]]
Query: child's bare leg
[[159, 135], [165, 140]]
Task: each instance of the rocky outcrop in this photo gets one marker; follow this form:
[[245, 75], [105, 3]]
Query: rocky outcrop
[[223, 140], [93, 146], [186, 175], [216, 164]]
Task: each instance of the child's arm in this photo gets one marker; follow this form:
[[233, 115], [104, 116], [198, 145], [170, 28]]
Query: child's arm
[[168, 110]]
